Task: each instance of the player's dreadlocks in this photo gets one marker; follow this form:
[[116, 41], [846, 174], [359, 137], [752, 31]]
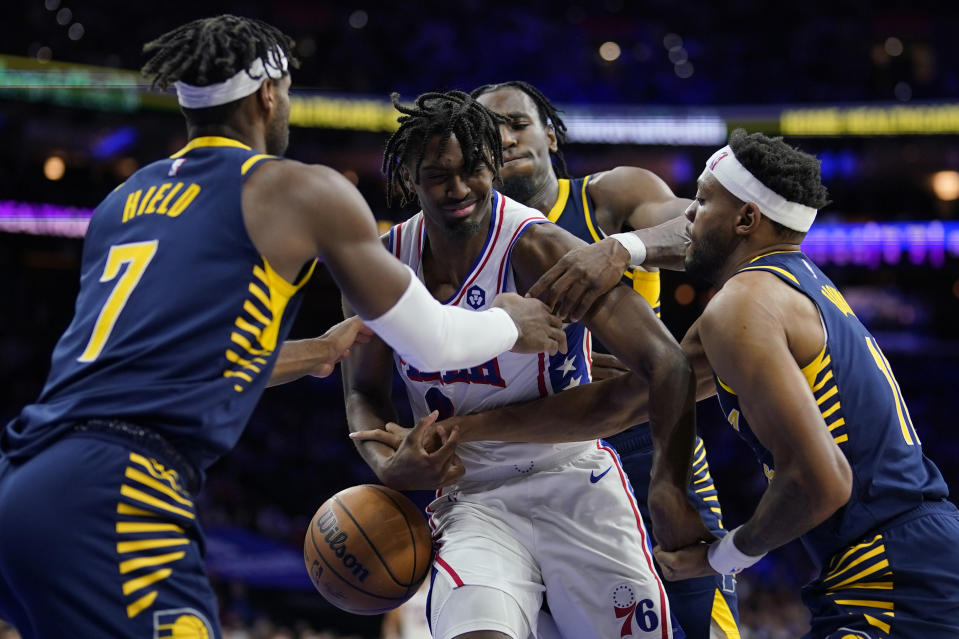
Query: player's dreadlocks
[[548, 114], [211, 50], [445, 114], [791, 173]]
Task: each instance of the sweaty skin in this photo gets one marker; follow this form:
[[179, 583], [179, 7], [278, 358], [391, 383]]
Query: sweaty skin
[[615, 318], [625, 197], [757, 333]]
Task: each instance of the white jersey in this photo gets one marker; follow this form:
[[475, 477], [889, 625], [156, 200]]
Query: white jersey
[[507, 379]]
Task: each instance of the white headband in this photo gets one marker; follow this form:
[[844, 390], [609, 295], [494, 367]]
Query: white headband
[[740, 182], [242, 84]]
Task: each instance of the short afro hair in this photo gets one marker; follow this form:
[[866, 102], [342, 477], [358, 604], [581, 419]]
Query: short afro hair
[[791, 173]]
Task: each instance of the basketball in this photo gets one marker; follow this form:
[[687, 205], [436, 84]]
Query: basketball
[[368, 549]]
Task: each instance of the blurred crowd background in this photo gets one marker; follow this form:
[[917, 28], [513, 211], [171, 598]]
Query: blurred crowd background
[[871, 87]]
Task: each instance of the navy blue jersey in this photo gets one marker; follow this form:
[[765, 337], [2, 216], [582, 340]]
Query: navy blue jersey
[[178, 319], [863, 409], [573, 211]]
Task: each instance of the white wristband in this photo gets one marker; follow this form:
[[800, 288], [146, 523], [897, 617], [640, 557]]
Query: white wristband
[[433, 337], [726, 559], [634, 245]]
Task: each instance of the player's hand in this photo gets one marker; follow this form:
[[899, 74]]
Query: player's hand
[[685, 563], [539, 330], [676, 524], [337, 341], [425, 457], [580, 277], [606, 366]]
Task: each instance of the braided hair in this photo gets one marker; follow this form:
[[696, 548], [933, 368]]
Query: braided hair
[[548, 114], [444, 114], [211, 50]]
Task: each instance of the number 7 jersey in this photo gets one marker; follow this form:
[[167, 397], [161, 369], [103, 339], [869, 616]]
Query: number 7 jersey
[[178, 319], [507, 379]]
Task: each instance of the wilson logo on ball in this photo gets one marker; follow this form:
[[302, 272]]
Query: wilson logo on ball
[[336, 539]]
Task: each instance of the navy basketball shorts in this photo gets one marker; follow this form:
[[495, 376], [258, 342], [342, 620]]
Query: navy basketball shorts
[[901, 581], [706, 607], [100, 539]]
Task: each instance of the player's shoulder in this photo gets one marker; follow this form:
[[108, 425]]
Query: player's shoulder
[[291, 180], [617, 179], [746, 300], [512, 209]]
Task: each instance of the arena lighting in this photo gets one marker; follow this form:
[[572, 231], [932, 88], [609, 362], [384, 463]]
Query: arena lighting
[[945, 184], [53, 168], [927, 119], [701, 130], [870, 244], [874, 244]]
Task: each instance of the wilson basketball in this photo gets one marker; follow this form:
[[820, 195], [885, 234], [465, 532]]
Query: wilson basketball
[[368, 549]]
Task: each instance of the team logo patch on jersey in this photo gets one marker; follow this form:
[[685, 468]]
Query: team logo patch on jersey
[[181, 623], [476, 297], [631, 610], [177, 163]]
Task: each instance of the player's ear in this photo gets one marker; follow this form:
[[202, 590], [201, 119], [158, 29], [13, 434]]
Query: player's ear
[[748, 218], [553, 144], [266, 95]]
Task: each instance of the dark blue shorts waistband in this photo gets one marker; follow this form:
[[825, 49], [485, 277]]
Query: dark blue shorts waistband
[[146, 438], [632, 439]]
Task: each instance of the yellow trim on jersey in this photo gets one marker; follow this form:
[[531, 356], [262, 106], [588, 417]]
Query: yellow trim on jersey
[[253, 160], [141, 604], [764, 267], [139, 495], [723, 617], [725, 387], [146, 544], [146, 480], [872, 621], [561, 198], [866, 544], [209, 140], [589, 219], [885, 605], [127, 509], [811, 370], [146, 526], [647, 284], [901, 411], [150, 560], [864, 573], [759, 257], [139, 583], [280, 293]]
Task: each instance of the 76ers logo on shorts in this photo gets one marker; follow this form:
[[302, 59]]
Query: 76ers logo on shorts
[[627, 608], [475, 297]]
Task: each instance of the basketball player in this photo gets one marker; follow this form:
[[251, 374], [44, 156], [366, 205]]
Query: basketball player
[[189, 280], [806, 385], [526, 519], [594, 207]]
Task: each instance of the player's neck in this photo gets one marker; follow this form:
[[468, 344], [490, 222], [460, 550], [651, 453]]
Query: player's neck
[[544, 197], [249, 138], [448, 257], [746, 253]]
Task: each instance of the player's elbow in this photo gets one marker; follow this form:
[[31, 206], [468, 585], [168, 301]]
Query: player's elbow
[[668, 367], [837, 487]]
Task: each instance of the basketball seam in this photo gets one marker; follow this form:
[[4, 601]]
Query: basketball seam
[[409, 529], [372, 545]]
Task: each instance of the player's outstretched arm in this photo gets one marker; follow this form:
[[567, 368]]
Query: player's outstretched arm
[[425, 458], [634, 197], [295, 212], [744, 335], [626, 324], [318, 356]]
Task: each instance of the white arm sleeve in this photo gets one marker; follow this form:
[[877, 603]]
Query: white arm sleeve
[[434, 337]]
